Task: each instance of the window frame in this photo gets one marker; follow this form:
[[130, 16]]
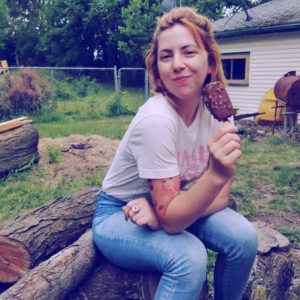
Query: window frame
[[238, 55]]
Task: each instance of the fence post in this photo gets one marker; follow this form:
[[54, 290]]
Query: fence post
[[116, 80], [146, 85], [53, 105], [119, 79]]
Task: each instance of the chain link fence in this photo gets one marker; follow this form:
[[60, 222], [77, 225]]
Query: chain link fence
[[70, 87]]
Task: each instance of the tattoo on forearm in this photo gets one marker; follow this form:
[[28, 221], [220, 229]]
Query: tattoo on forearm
[[163, 192]]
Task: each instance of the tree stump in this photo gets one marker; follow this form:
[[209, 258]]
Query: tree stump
[[18, 148], [43, 231], [273, 269]]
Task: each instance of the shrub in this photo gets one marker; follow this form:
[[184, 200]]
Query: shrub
[[116, 108], [23, 91]]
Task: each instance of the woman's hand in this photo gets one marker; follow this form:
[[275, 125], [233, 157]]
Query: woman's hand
[[224, 150], [142, 213]]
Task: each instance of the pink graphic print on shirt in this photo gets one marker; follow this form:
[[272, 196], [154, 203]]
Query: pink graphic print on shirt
[[192, 163]]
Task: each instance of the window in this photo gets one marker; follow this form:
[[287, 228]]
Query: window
[[236, 68]]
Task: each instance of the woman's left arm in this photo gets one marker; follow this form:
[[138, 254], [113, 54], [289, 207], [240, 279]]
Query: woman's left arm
[[221, 201]]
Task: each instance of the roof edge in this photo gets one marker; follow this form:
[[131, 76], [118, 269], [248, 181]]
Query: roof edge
[[254, 31]]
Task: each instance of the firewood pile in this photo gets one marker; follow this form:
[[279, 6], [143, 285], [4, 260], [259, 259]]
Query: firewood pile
[[18, 145], [48, 253]]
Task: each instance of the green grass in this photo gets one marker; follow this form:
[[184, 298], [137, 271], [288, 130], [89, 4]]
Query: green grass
[[259, 185], [293, 234], [29, 189], [109, 127]]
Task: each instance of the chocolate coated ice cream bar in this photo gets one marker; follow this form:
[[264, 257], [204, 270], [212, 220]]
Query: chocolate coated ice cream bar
[[218, 101]]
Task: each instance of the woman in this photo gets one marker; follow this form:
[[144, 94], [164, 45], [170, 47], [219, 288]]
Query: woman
[[143, 219]]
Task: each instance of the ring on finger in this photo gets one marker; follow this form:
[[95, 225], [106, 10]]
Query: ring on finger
[[135, 209]]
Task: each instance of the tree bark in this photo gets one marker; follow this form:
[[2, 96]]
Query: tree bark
[[46, 230], [271, 277], [18, 148], [53, 278], [114, 283]]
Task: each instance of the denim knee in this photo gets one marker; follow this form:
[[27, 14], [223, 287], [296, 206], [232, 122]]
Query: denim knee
[[244, 242], [191, 261]]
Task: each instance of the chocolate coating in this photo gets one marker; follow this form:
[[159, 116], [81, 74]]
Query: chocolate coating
[[217, 101]]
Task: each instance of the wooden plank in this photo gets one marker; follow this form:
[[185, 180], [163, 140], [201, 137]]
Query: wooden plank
[[12, 121], [8, 125]]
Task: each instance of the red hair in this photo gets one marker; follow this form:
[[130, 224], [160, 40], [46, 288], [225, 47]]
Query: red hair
[[201, 29]]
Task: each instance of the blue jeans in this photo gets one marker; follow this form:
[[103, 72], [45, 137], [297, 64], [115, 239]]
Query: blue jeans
[[181, 258]]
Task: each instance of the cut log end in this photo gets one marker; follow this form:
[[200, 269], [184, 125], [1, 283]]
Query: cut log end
[[15, 260]]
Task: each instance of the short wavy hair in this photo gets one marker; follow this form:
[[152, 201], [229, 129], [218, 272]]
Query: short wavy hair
[[201, 29]]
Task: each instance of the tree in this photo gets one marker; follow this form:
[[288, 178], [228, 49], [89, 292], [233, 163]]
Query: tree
[[3, 24], [213, 9], [103, 22], [139, 19], [66, 42], [25, 27]]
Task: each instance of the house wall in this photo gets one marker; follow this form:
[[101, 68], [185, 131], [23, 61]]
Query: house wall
[[271, 56]]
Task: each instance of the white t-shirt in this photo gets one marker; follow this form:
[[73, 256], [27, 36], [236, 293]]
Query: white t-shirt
[[157, 144]]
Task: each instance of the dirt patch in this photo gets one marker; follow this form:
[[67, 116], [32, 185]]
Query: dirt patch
[[79, 156]]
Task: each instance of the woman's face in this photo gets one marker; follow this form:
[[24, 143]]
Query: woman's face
[[182, 64]]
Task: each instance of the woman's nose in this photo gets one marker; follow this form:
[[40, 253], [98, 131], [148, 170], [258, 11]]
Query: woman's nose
[[178, 63]]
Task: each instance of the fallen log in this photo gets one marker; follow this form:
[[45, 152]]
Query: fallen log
[[44, 231], [53, 278], [115, 283], [81, 272], [18, 148]]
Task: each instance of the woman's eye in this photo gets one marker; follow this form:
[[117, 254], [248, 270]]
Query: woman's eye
[[190, 53], [165, 57]]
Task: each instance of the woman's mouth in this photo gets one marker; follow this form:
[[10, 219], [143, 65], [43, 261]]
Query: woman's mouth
[[181, 79]]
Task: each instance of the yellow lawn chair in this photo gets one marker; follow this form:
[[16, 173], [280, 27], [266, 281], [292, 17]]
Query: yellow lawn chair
[[3, 67]]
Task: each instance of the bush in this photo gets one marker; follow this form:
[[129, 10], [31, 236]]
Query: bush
[[23, 91], [116, 108]]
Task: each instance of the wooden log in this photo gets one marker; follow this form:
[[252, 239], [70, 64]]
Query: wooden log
[[53, 278], [81, 272], [14, 259], [115, 283], [112, 283], [46, 230], [18, 148]]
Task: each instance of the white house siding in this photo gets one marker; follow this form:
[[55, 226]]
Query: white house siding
[[271, 56]]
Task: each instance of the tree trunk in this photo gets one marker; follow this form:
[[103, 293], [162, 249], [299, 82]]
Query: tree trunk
[[18, 148], [44, 231], [53, 278]]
